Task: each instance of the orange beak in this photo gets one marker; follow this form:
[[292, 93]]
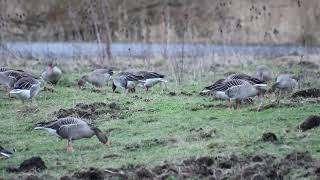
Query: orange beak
[[108, 143]]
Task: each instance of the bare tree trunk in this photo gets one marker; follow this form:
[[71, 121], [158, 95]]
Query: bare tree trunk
[[105, 11]]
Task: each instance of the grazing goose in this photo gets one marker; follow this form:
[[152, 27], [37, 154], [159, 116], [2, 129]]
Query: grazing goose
[[150, 79], [264, 73], [234, 89], [242, 90], [284, 83], [52, 74], [72, 129], [98, 78], [9, 77], [25, 88], [4, 152], [126, 80]]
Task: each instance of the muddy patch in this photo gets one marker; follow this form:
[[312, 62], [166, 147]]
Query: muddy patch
[[310, 123], [89, 174], [307, 93], [269, 137], [32, 164], [146, 144], [259, 166], [200, 107], [90, 111], [200, 134], [277, 105], [308, 65]]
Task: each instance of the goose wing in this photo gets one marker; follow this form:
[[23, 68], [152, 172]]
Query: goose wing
[[57, 124], [215, 84], [25, 83], [132, 76], [150, 74], [228, 84], [246, 77]]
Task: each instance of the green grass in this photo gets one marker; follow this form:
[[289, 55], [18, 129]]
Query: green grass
[[166, 129]]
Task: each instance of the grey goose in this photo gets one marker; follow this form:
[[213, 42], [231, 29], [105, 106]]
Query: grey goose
[[71, 129], [52, 74], [97, 78]]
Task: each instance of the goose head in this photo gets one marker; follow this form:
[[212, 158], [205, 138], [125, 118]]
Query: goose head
[[101, 136], [7, 81], [82, 81], [34, 90]]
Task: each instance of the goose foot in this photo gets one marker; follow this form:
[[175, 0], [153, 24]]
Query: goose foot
[[70, 149]]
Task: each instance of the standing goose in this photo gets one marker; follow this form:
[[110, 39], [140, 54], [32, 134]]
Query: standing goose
[[98, 78], [72, 129], [52, 74], [264, 73], [25, 88], [150, 79], [284, 83], [4, 152]]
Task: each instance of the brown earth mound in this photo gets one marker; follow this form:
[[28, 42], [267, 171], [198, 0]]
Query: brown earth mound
[[307, 93], [260, 166], [311, 122], [32, 164], [89, 111]]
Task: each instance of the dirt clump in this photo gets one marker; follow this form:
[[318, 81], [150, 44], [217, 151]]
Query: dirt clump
[[312, 121], [90, 174], [172, 93], [307, 93], [308, 65], [269, 137], [277, 105], [32, 164], [258, 166], [89, 111], [145, 144]]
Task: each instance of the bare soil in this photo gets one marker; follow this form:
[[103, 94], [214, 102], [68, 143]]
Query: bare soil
[[259, 166]]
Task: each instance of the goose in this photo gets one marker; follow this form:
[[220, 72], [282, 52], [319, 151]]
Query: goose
[[241, 90], [98, 78], [264, 73], [9, 77], [71, 128], [25, 88], [234, 89], [5, 153], [150, 79], [126, 80], [284, 83], [52, 74]]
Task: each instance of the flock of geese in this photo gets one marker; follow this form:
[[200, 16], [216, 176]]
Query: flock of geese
[[25, 86]]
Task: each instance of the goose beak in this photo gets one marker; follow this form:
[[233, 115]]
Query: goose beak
[[108, 143]]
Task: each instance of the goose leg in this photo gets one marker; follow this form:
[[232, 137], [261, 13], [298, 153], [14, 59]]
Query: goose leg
[[230, 104], [70, 148], [238, 103]]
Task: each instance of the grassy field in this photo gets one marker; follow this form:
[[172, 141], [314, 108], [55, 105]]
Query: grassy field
[[149, 128]]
